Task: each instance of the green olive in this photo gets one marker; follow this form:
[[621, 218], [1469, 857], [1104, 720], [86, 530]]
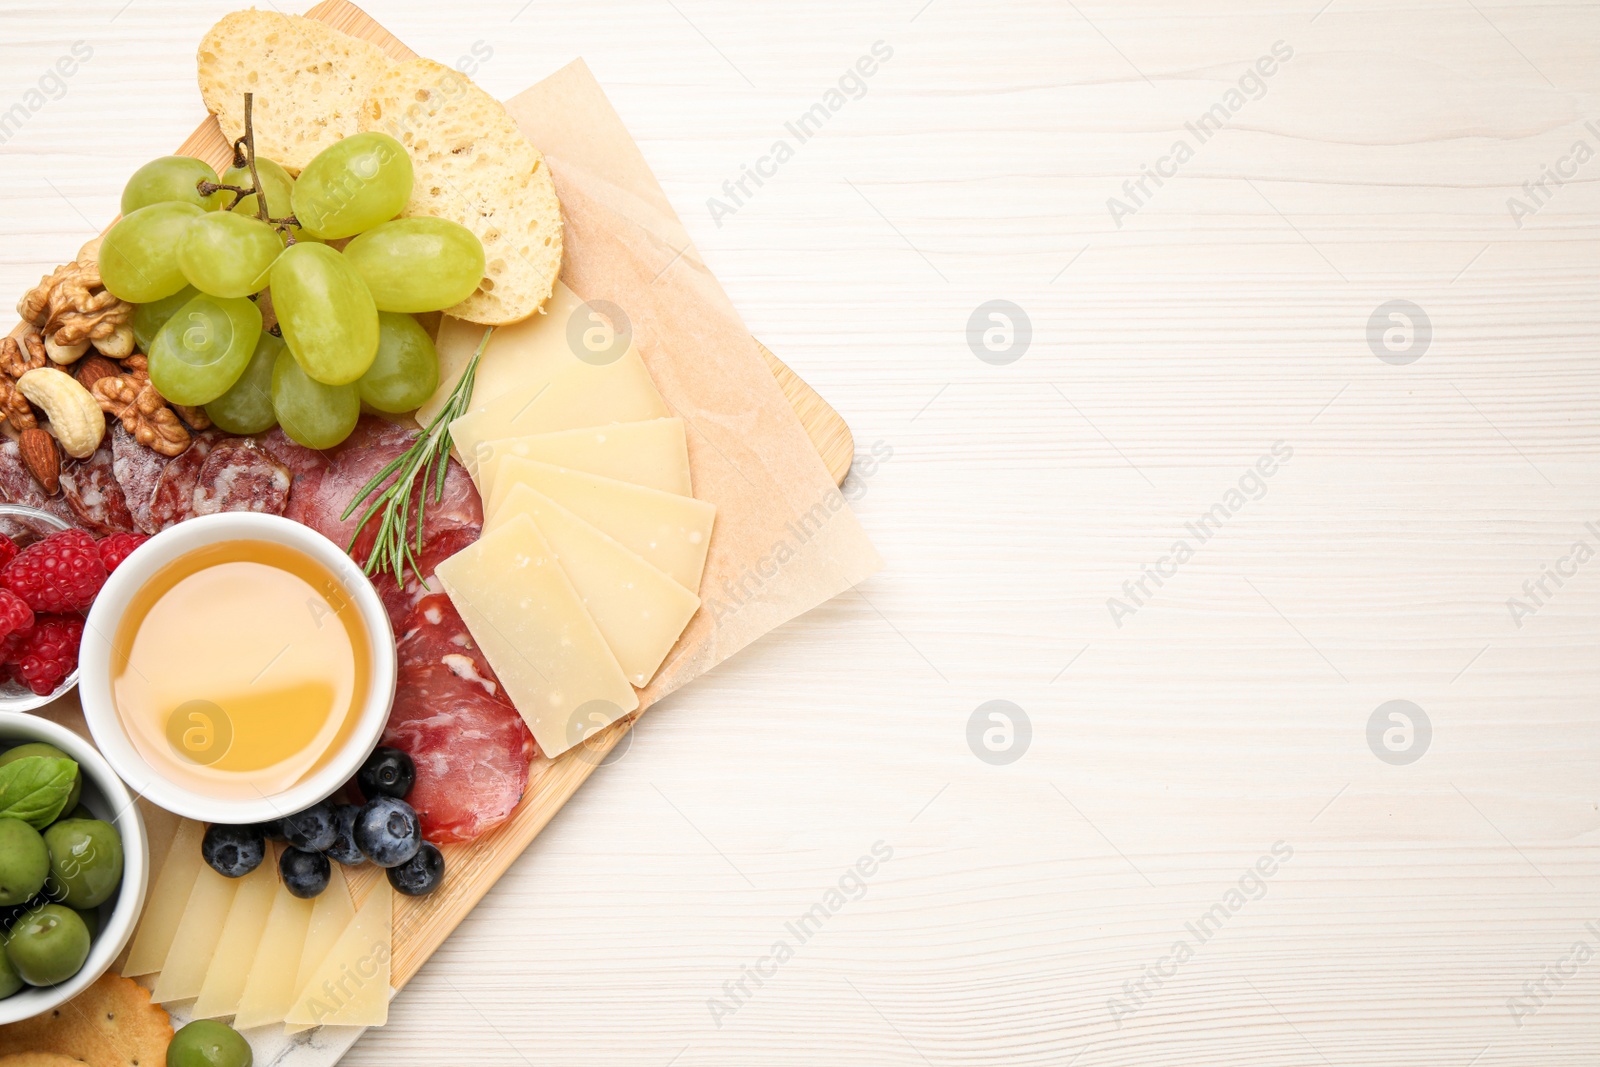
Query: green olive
[[24, 862], [48, 945], [39, 748], [10, 980], [85, 862], [208, 1043]]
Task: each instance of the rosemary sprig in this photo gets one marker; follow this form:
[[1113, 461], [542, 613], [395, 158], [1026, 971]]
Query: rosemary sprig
[[399, 542]]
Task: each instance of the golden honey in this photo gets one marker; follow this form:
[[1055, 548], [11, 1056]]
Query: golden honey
[[239, 669]]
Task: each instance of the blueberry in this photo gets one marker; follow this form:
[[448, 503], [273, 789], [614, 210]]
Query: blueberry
[[312, 830], [421, 874], [344, 846], [233, 851], [272, 829], [305, 874], [388, 772], [387, 831]]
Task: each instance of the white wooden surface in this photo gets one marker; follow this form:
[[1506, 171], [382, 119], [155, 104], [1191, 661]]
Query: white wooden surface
[[1229, 713]]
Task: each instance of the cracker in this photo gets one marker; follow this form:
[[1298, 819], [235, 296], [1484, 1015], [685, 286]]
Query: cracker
[[39, 1059], [111, 1024]]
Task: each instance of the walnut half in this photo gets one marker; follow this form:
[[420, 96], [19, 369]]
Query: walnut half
[[143, 412], [73, 308]]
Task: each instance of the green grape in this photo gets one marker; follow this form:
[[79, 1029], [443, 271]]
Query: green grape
[[279, 186], [352, 185], [420, 264], [406, 370], [326, 313], [312, 414], [171, 179], [228, 255], [139, 255], [203, 348], [149, 318], [247, 405]]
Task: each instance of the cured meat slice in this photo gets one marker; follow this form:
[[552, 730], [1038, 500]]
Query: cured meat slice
[[91, 489], [434, 633], [401, 599], [300, 460], [471, 750], [18, 487], [173, 500], [320, 501], [138, 470], [238, 476]]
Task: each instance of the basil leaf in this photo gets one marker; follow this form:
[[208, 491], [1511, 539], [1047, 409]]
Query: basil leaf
[[35, 789]]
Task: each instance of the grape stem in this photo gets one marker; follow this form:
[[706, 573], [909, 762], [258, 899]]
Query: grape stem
[[244, 155], [428, 459]]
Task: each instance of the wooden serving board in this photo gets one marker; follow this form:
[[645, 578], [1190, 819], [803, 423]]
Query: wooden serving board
[[421, 925]]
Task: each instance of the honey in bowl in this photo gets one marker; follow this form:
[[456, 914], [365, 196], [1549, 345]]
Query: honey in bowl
[[239, 669]]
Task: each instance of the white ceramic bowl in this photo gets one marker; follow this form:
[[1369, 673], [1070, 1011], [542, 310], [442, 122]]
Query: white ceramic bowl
[[104, 795], [94, 666]]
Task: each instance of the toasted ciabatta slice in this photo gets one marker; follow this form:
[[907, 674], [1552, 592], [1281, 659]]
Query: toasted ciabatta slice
[[308, 79], [473, 166]]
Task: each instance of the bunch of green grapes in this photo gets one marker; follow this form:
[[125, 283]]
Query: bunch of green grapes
[[196, 263]]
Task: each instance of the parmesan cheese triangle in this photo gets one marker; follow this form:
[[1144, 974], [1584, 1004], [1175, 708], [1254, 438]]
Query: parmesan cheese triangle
[[640, 610], [269, 990], [530, 622], [351, 985], [236, 948], [164, 908]]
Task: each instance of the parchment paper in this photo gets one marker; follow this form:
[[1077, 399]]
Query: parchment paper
[[785, 540]]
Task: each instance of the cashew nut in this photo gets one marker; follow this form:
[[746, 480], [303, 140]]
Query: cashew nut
[[64, 353], [75, 416]]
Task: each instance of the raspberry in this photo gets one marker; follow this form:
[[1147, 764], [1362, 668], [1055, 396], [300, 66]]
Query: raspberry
[[16, 618], [114, 548], [61, 573], [8, 550], [49, 653]]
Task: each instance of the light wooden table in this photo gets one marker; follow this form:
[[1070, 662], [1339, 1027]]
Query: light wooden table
[[1431, 912]]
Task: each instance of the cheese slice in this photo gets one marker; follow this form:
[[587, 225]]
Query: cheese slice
[[528, 620], [581, 396], [236, 948], [351, 987], [330, 914], [183, 972], [640, 611], [654, 454], [535, 349], [163, 909], [269, 989], [671, 533]]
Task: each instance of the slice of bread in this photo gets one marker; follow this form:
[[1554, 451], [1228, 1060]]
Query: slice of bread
[[473, 166], [308, 79]]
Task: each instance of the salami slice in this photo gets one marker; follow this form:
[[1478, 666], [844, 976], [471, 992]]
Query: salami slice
[[18, 487], [434, 633], [173, 500], [401, 599], [92, 492], [320, 501], [471, 750], [138, 470], [300, 460], [238, 476]]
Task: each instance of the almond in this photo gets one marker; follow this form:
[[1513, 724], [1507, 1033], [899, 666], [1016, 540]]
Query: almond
[[91, 369], [42, 458]]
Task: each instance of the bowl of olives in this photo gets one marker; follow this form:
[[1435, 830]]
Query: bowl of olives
[[74, 865]]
